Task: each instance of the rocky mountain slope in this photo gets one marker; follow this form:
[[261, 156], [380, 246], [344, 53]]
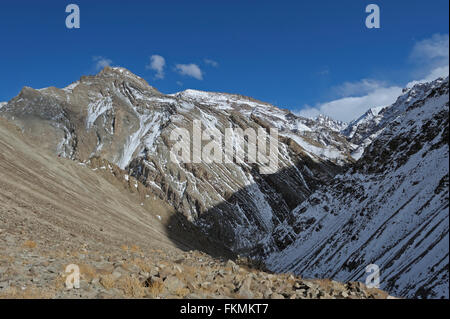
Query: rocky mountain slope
[[363, 130], [117, 116], [334, 125], [321, 214], [55, 212], [391, 208]]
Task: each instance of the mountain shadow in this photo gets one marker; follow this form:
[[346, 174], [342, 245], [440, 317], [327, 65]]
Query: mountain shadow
[[247, 226]]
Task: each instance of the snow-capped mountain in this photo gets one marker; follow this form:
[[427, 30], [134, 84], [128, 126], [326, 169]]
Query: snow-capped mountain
[[390, 209], [117, 116], [363, 130], [320, 206], [332, 124], [358, 129]]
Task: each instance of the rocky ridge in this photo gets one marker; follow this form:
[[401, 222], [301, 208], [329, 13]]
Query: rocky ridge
[[391, 208]]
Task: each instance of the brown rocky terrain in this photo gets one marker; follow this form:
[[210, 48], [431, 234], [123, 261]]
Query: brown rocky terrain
[[55, 212]]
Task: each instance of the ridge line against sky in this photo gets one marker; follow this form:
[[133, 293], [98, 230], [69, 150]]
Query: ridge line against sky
[[431, 54], [355, 97], [309, 57]]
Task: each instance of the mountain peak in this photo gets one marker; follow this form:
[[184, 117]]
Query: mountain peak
[[332, 124], [115, 70], [121, 73]]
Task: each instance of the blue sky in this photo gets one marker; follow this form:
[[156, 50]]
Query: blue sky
[[309, 56]]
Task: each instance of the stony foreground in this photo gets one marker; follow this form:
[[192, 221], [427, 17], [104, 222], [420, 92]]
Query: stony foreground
[[33, 272]]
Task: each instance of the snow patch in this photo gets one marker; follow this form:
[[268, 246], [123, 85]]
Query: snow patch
[[96, 109]]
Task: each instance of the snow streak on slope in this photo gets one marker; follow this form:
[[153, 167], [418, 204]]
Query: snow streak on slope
[[392, 209], [96, 109], [364, 130], [320, 151], [369, 119]]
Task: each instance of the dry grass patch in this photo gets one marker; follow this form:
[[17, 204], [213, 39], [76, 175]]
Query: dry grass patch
[[182, 292], [60, 281], [28, 293], [29, 244], [142, 264], [131, 287], [190, 271], [135, 249], [156, 287], [87, 271], [107, 281]]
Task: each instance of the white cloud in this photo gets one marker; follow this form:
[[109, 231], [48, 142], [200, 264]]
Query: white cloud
[[191, 70], [350, 108], [211, 62], [435, 47], [101, 62], [432, 55], [357, 97], [363, 86], [438, 72], [157, 63]]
